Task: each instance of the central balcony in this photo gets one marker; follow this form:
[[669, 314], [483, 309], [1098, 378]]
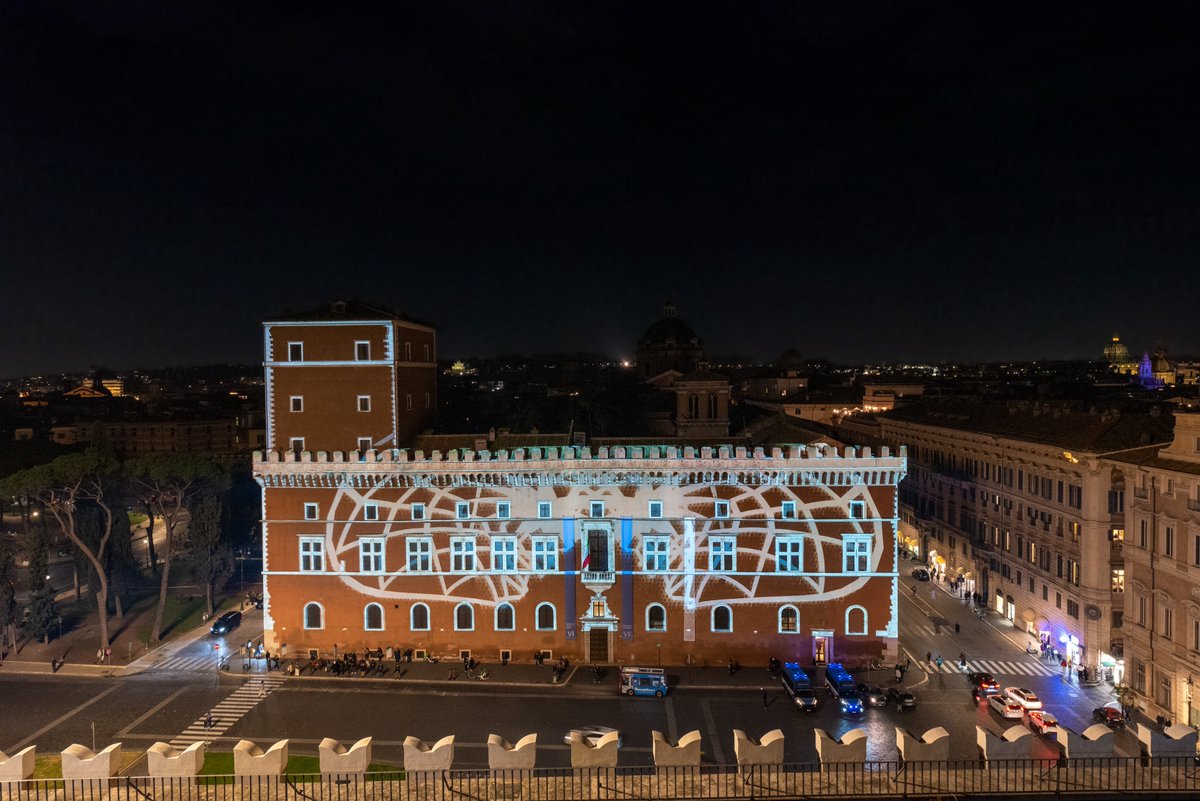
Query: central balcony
[[598, 580]]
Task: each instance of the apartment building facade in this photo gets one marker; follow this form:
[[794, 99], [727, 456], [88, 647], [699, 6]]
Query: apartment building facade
[[1024, 502], [1162, 573]]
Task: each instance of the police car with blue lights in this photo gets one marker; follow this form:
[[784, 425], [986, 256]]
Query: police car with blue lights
[[844, 688], [798, 685]]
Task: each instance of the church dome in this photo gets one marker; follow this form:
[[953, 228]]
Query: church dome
[[1116, 352], [669, 330]]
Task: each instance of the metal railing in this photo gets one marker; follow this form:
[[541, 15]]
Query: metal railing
[[1130, 776]]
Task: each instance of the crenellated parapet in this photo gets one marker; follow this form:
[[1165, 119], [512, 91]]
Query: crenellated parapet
[[791, 465]]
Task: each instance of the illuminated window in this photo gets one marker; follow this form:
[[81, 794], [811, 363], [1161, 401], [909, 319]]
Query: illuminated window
[[1118, 580], [314, 616], [789, 620]]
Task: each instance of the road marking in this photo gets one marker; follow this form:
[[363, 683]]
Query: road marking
[[153, 710], [229, 711], [63, 719], [672, 732], [718, 752]]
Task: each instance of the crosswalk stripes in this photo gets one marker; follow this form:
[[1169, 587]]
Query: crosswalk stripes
[[203, 663], [230, 710], [998, 667]]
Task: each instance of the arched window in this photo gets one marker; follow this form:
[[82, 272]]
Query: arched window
[[314, 616], [418, 617], [373, 617], [656, 618], [505, 620], [464, 618], [544, 617], [856, 620], [722, 618], [789, 620]]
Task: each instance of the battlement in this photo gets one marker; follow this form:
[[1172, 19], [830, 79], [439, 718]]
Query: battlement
[[630, 453]]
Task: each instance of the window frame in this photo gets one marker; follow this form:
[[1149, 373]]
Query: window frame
[[462, 510], [416, 511], [861, 506], [649, 609], [503, 510], [593, 507], [296, 403], [779, 619], [721, 509], [856, 546], [371, 512], [865, 621], [547, 507], [314, 508], [418, 548], [370, 443], [654, 510], [318, 554], [712, 620], [660, 553], [294, 348], [506, 547], [787, 510], [367, 620], [714, 554], [512, 624], [468, 607], [372, 550], [798, 542], [359, 404], [537, 617], [548, 553], [412, 610], [460, 554], [361, 344], [304, 616]]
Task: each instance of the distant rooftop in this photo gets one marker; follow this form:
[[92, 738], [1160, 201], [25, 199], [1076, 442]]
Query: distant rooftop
[[345, 310], [1066, 425]]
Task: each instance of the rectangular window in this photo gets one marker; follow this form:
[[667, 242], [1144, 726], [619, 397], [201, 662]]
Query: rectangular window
[[856, 553], [1058, 600], [544, 509], [1118, 579], [722, 554], [789, 554], [364, 444], [408, 403], [428, 400], [407, 351], [1196, 549], [312, 554], [296, 444], [858, 510], [596, 509], [545, 554], [462, 510], [788, 510], [1141, 533], [1073, 571], [295, 351], [370, 554], [417, 511], [311, 511], [1141, 610], [364, 403], [503, 510], [1073, 608], [1168, 623], [462, 554], [721, 509], [656, 510], [1196, 635], [371, 511], [362, 351], [655, 554], [1169, 541], [297, 403], [420, 550], [1045, 593], [504, 554], [425, 350]]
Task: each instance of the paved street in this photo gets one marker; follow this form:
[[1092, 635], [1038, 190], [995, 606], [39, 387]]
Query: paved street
[[169, 699]]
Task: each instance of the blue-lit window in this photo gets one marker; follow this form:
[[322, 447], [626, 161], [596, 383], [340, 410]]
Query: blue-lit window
[[856, 553], [655, 552], [858, 510], [721, 509], [656, 510], [504, 554], [789, 554], [371, 511], [544, 510], [545, 554], [503, 510], [722, 554], [418, 511], [787, 510], [722, 619], [462, 510], [462, 554], [596, 509]]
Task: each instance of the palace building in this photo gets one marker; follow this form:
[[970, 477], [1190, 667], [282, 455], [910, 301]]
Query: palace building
[[620, 554]]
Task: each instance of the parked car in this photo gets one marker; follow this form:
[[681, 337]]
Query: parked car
[[1042, 722], [1110, 716], [227, 623], [872, 695], [1007, 707], [903, 699], [1023, 696], [798, 685], [920, 574], [983, 682], [591, 734]]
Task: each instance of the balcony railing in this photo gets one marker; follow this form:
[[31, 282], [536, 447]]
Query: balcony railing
[[598, 577]]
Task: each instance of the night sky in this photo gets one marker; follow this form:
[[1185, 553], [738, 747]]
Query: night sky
[[863, 181]]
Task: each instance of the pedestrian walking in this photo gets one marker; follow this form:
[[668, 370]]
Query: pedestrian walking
[[962, 658], [899, 674], [764, 697], [957, 628], [262, 688], [929, 656], [208, 719], [939, 663], [914, 590]]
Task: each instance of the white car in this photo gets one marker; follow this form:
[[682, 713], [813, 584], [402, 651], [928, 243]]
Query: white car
[[1042, 721], [1007, 707], [1026, 698]]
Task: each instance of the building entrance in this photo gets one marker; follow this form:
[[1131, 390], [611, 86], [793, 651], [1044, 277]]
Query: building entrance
[[820, 650], [598, 646]]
